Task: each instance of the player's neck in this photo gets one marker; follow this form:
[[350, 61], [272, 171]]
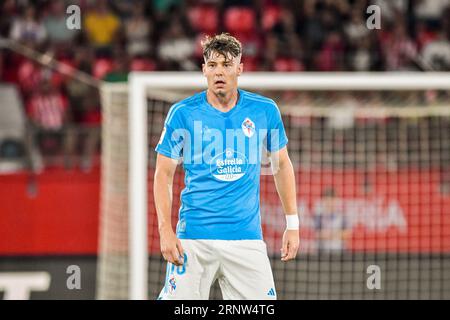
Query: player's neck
[[223, 103]]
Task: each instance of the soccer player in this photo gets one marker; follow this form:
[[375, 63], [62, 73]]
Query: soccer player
[[220, 135]]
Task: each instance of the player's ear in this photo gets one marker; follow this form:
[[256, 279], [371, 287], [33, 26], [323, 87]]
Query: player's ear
[[203, 69], [240, 68], [240, 65]]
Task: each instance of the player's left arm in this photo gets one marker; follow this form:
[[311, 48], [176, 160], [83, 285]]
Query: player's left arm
[[284, 176]]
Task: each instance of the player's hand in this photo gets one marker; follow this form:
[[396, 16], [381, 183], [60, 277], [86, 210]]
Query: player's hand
[[290, 245], [171, 248]]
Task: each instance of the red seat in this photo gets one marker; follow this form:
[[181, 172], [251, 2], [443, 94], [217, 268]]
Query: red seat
[[250, 64], [204, 18], [252, 43], [139, 64], [239, 19], [102, 66], [287, 65], [29, 75], [271, 15]]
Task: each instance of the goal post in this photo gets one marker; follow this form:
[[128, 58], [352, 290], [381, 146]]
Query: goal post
[[172, 86]]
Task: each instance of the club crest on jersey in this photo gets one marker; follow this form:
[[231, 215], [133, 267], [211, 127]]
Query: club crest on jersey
[[248, 127]]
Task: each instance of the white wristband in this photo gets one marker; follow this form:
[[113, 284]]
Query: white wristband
[[292, 222]]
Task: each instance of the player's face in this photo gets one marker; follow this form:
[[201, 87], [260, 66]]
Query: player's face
[[222, 73]]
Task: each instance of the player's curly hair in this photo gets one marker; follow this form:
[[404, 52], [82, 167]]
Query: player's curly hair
[[224, 44]]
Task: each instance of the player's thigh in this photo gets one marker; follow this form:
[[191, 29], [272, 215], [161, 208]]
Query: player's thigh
[[189, 281], [246, 272]]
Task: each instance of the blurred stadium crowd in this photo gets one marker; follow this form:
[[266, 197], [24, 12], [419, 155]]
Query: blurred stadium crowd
[[309, 35], [119, 36]]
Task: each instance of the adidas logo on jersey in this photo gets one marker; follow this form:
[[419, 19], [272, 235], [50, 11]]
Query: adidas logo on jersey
[[271, 292]]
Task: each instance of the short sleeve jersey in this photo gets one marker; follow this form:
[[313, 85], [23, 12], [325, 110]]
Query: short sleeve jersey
[[221, 153]]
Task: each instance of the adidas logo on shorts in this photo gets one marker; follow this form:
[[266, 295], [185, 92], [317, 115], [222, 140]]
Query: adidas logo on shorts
[[271, 292]]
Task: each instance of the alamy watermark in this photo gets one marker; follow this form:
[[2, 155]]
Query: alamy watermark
[[74, 279], [73, 21], [374, 280], [374, 20], [227, 154]]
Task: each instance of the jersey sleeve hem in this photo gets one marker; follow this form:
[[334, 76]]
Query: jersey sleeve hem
[[166, 153], [279, 147]]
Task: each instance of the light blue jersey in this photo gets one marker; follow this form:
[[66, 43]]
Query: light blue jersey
[[221, 153]]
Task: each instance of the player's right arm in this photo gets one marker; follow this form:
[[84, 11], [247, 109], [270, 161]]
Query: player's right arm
[[171, 248]]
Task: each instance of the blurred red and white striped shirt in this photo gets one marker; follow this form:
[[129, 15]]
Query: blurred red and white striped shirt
[[48, 110]]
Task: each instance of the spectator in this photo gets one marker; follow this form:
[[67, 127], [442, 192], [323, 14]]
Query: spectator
[[90, 125], [331, 56], [28, 29], [55, 25], [392, 10], [361, 57], [311, 30], [366, 55], [75, 89], [284, 31], [138, 30], [121, 68], [436, 54], [162, 7], [8, 11], [356, 29], [102, 27], [176, 49], [424, 35], [29, 76], [126, 8], [48, 112], [430, 11], [330, 223], [399, 49]]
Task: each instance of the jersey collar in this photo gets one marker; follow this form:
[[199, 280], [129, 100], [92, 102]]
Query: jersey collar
[[228, 113]]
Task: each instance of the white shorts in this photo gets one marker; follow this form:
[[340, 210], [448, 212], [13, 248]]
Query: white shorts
[[242, 268]]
